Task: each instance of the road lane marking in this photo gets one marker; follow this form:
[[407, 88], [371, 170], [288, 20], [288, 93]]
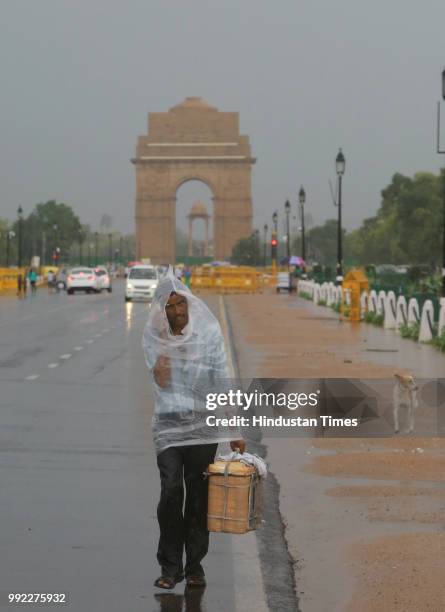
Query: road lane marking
[[66, 356], [32, 377], [53, 365], [97, 335], [78, 348], [89, 341]]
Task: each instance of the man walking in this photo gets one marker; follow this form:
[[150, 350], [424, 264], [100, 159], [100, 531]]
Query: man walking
[[185, 354]]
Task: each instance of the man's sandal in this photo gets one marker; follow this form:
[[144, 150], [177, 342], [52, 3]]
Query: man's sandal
[[196, 581], [168, 582]]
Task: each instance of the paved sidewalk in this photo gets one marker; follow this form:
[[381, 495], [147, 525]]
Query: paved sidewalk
[[363, 517]]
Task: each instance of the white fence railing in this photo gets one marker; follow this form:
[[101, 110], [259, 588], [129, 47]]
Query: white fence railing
[[395, 311]]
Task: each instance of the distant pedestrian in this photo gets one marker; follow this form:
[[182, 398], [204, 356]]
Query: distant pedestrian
[[19, 284], [32, 276], [187, 277], [51, 279], [25, 282]]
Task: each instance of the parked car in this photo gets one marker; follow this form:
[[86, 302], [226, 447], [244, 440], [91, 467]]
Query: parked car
[[82, 279], [104, 279], [141, 283]]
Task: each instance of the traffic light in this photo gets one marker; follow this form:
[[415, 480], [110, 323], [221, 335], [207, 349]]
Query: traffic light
[[56, 255], [273, 246]]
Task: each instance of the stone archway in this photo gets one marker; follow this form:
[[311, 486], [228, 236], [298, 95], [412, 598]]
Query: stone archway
[[192, 141], [198, 211]]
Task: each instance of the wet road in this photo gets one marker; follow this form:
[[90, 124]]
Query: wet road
[[78, 477]]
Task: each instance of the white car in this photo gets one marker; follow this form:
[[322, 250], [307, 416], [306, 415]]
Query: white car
[[104, 279], [82, 279], [141, 283]]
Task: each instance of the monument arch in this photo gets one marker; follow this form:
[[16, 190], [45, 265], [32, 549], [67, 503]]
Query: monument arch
[[198, 211], [192, 141]]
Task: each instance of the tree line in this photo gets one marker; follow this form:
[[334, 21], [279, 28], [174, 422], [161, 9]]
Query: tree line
[[407, 229], [53, 232]]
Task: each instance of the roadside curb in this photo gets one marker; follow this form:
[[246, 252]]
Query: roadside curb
[[277, 574]]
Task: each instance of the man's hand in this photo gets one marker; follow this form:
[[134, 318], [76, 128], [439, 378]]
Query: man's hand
[[161, 371], [239, 445]]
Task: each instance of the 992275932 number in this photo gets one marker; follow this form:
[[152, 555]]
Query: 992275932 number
[[46, 598]]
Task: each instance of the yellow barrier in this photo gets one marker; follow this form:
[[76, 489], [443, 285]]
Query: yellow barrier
[[356, 282], [267, 279], [8, 278], [222, 279]]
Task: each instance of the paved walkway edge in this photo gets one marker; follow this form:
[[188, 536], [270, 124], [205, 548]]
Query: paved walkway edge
[[276, 562], [249, 589]]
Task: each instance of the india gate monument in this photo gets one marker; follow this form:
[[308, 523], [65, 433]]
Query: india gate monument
[[192, 141]]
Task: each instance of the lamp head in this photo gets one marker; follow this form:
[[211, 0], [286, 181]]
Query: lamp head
[[287, 206], [302, 195], [340, 163]]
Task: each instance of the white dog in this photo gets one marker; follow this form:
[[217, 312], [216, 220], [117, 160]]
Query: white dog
[[405, 394]]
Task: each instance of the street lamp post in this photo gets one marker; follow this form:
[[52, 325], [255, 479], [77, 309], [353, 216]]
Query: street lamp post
[[55, 228], [340, 169], [20, 231], [80, 245], [287, 209], [302, 200], [96, 237], [266, 227], [275, 221], [256, 241], [110, 247], [439, 150], [10, 234], [121, 249], [274, 241], [43, 225]]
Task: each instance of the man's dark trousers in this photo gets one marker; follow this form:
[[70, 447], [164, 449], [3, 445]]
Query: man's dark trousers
[[183, 528]]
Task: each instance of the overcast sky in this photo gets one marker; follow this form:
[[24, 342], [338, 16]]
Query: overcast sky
[[78, 78]]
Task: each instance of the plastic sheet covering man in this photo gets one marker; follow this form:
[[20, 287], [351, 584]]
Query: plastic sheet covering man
[[184, 350]]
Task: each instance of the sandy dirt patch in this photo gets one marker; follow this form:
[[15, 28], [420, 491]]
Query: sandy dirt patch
[[384, 465], [400, 573], [365, 514]]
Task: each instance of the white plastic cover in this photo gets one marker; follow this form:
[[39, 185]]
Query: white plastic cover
[[248, 459], [198, 365]]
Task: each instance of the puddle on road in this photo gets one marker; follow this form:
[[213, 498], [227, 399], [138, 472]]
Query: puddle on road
[[190, 601]]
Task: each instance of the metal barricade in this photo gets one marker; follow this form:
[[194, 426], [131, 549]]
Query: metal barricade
[[226, 279], [8, 279]]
